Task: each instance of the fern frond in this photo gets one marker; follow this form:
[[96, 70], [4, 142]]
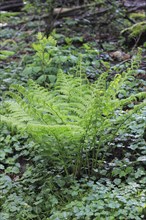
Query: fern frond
[[72, 115]]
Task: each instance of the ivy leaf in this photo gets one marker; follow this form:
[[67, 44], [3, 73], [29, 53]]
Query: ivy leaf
[[142, 159], [122, 174], [117, 181], [2, 155], [2, 167], [41, 79], [52, 78]]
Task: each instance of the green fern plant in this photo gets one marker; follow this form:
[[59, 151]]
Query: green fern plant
[[74, 121]]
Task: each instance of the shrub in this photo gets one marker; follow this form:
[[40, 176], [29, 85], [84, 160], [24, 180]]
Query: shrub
[[74, 121], [49, 56]]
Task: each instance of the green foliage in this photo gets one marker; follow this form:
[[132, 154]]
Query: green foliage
[[39, 6], [4, 54], [74, 120], [135, 30], [39, 189], [49, 195], [138, 16], [42, 68], [5, 16], [49, 57], [35, 187], [15, 151], [10, 144], [144, 45], [105, 202]]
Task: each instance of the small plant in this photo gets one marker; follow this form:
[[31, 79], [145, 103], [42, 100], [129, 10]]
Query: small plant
[[74, 121], [104, 202], [49, 57], [42, 68]]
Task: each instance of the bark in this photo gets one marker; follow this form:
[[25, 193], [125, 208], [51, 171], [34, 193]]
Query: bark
[[11, 5]]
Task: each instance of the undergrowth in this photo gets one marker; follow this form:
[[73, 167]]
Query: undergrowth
[[75, 121], [89, 159]]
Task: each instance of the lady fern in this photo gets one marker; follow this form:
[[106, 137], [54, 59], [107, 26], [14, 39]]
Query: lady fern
[[74, 120]]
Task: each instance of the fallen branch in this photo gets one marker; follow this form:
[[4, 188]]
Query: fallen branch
[[134, 5], [12, 5], [78, 11]]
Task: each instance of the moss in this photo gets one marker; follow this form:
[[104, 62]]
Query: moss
[[138, 16], [135, 35], [135, 30]]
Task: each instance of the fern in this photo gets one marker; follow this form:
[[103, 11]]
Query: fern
[[72, 120]]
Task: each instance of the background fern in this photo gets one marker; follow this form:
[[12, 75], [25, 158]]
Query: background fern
[[74, 121]]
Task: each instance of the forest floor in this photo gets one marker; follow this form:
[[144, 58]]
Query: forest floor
[[24, 174]]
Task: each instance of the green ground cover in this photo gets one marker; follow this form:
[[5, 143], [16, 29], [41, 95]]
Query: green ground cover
[[92, 163]]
